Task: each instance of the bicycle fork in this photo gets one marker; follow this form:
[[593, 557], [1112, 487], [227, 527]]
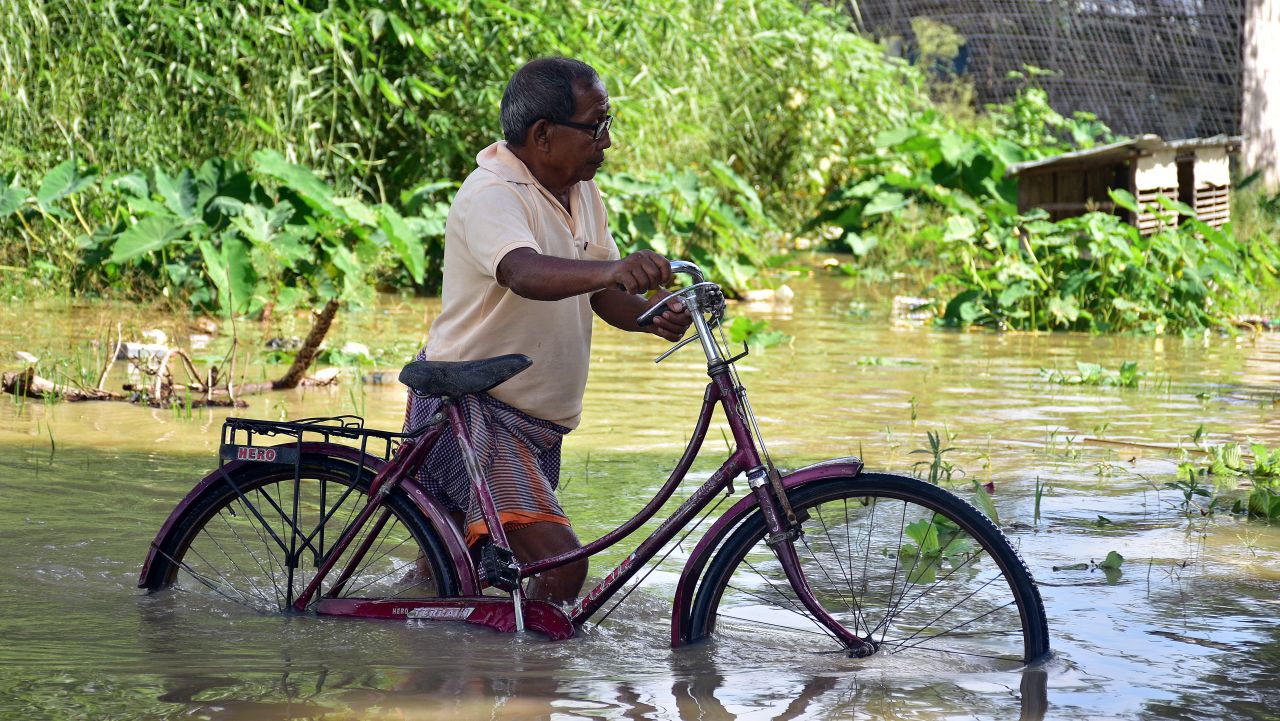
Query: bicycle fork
[[498, 560], [781, 538]]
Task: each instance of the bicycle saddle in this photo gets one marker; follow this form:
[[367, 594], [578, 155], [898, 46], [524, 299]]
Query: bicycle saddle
[[458, 378]]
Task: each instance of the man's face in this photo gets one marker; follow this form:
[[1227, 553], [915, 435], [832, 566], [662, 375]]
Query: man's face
[[573, 151]]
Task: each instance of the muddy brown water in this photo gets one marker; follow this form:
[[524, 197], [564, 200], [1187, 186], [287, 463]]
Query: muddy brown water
[[1187, 629]]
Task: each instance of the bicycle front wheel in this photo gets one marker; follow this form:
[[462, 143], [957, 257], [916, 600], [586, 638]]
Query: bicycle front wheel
[[903, 564], [258, 536]]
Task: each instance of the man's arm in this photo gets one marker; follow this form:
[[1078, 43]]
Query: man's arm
[[536, 276], [620, 310]]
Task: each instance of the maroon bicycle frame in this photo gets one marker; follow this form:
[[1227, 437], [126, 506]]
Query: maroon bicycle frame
[[744, 459]]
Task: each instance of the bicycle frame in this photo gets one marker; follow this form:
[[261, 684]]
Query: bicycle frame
[[744, 458]]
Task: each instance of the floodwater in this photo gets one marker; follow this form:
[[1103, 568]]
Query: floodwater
[[1186, 629]]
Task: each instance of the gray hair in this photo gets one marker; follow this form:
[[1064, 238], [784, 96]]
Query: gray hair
[[543, 88]]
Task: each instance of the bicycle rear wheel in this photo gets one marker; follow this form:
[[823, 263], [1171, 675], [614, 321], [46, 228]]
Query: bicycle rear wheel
[[258, 539], [899, 562]]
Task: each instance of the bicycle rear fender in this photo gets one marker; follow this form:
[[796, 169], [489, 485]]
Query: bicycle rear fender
[[834, 468], [454, 543]]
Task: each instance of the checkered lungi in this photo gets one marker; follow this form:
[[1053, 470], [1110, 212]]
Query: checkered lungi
[[519, 456]]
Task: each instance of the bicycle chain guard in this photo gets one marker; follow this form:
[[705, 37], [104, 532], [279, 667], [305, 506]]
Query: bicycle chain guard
[[500, 567]]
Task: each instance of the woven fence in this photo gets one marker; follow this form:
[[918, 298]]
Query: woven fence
[[1171, 67]]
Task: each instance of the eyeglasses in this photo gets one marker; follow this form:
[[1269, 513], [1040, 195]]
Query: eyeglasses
[[597, 130]]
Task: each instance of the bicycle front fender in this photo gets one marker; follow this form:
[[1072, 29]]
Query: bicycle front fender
[[439, 519], [685, 590]]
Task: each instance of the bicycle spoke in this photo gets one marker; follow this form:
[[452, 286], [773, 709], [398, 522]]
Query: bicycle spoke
[[231, 543], [919, 546], [776, 625], [957, 605], [796, 607], [213, 539], [859, 619], [222, 577]]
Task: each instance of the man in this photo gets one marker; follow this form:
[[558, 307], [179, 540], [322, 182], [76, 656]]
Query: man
[[528, 259]]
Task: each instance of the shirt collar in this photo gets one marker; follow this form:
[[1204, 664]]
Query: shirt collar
[[499, 160]]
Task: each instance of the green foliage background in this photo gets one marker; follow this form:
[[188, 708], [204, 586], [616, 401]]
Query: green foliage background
[[738, 121], [383, 96], [730, 114]]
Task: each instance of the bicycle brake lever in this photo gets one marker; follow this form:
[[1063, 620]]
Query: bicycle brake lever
[[675, 348]]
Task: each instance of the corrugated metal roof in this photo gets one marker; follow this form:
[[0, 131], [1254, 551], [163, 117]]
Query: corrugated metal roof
[[1141, 145]]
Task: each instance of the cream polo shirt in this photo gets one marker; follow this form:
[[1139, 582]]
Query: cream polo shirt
[[502, 207]]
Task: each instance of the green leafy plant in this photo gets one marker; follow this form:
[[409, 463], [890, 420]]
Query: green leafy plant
[[1196, 497], [940, 469], [1093, 374]]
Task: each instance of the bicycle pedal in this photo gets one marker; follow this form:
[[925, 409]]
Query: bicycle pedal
[[500, 568]]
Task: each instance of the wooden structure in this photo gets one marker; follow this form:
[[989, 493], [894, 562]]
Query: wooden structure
[[1195, 172], [1179, 68]]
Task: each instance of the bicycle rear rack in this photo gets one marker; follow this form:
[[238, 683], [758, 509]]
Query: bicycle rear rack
[[243, 438]]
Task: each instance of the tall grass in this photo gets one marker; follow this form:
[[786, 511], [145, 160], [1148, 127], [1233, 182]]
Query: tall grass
[[383, 96]]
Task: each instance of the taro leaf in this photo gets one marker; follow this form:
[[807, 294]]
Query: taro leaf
[[884, 202], [1112, 561], [860, 245], [405, 242], [687, 184], [964, 308], [279, 215], [11, 198], [925, 534], [134, 184], [290, 247], [959, 227], [289, 298], [253, 225], [1014, 293], [865, 189], [179, 192], [891, 138], [953, 148], [146, 236], [1176, 206], [1129, 374], [358, 211], [352, 278], [300, 180], [63, 181], [1007, 151], [1064, 310], [230, 207], [1124, 199], [749, 200], [231, 272]]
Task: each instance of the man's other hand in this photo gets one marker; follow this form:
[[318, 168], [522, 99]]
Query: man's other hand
[[673, 322]]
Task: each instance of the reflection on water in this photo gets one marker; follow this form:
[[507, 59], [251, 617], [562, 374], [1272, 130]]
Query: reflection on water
[[1184, 630]]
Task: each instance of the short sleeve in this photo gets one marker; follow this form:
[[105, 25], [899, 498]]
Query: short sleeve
[[496, 222]]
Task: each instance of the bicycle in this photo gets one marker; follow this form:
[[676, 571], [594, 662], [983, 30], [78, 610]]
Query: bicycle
[[858, 562]]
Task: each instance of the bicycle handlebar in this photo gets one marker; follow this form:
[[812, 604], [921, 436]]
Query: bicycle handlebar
[[684, 266]]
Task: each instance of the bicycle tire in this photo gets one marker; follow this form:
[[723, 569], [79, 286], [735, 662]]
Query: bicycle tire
[[234, 539], [940, 596]]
